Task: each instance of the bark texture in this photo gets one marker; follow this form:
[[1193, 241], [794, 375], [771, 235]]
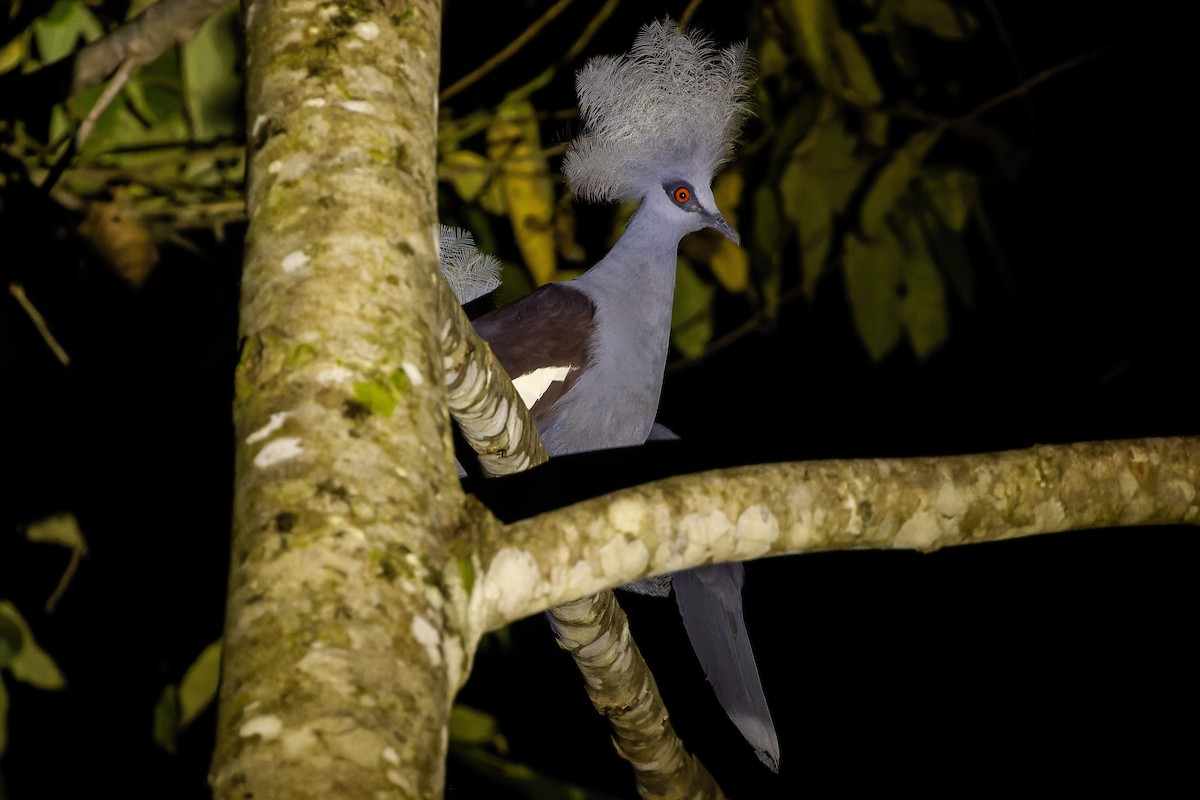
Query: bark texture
[[342, 647], [778, 509], [595, 631], [489, 412]]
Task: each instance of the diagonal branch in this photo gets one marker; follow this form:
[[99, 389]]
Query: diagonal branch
[[803, 507], [141, 40], [507, 52], [594, 630], [482, 400], [17, 290]]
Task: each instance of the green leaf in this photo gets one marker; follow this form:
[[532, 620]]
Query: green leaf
[[514, 143], [830, 154], [899, 37], [805, 203], [30, 663], [11, 638], [135, 95], [35, 667], [923, 311], [514, 283], [953, 192], [692, 312], [772, 60], [892, 183], [198, 688], [860, 87], [166, 718], [473, 177], [59, 30], [813, 21], [766, 244], [873, 279], [794, 125], [376, 396], [209, 68], [939, 17], [948, 198], [61, 529], [472, 726], [875, 125], [14, 53], [729, 263]]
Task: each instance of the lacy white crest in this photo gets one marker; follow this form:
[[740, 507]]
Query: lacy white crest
[[670, 108]]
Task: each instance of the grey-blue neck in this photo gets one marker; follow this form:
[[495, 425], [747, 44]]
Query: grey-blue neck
[[640, 267], [615, 403]]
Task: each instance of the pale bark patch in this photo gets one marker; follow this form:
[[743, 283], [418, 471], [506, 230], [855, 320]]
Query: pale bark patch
[[1049, 515], [757, 530], [703, 533], [1128, 485], [273, 424], [291, 167], [627, 515], [918, 532], [294, 261], [299, 742], [413, 372], [331, 667], [268, 726], [357, 745], [510, 580], [279, 450], [951, 501], [855, 524], [427, 636], [358, 107], [621, 556]]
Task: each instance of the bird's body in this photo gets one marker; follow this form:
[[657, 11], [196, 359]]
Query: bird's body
[[598, 343], [588, 355]]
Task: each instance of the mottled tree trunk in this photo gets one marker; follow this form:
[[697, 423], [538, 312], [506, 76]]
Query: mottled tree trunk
[[342, 652]]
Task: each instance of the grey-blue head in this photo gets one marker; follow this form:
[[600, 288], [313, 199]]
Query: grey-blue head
[[658, 123]]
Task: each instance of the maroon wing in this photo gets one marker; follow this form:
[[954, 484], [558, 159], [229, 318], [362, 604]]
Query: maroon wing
[[550, 328]]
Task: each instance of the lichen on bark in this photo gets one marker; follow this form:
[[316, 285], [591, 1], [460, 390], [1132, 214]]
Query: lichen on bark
[[343, 649]]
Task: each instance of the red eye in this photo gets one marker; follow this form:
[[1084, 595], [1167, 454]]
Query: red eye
[[682, 195]]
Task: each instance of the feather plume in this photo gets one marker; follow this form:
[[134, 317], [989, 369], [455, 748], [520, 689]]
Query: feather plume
[[671, 107], [469, 272]]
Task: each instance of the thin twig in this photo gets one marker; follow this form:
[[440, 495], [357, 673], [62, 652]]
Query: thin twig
[[1025, 86], [39, 322], [110, 92], [589, 31], [509, 50], [689, 12], [64, 581], [751, 325]]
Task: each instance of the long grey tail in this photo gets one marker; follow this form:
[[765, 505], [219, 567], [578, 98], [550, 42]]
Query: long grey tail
[[710, 602]]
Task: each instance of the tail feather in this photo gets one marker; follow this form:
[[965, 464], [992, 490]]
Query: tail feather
[[710, 602]]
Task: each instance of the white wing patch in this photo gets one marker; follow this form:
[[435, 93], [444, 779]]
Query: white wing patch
[[532, 385]]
